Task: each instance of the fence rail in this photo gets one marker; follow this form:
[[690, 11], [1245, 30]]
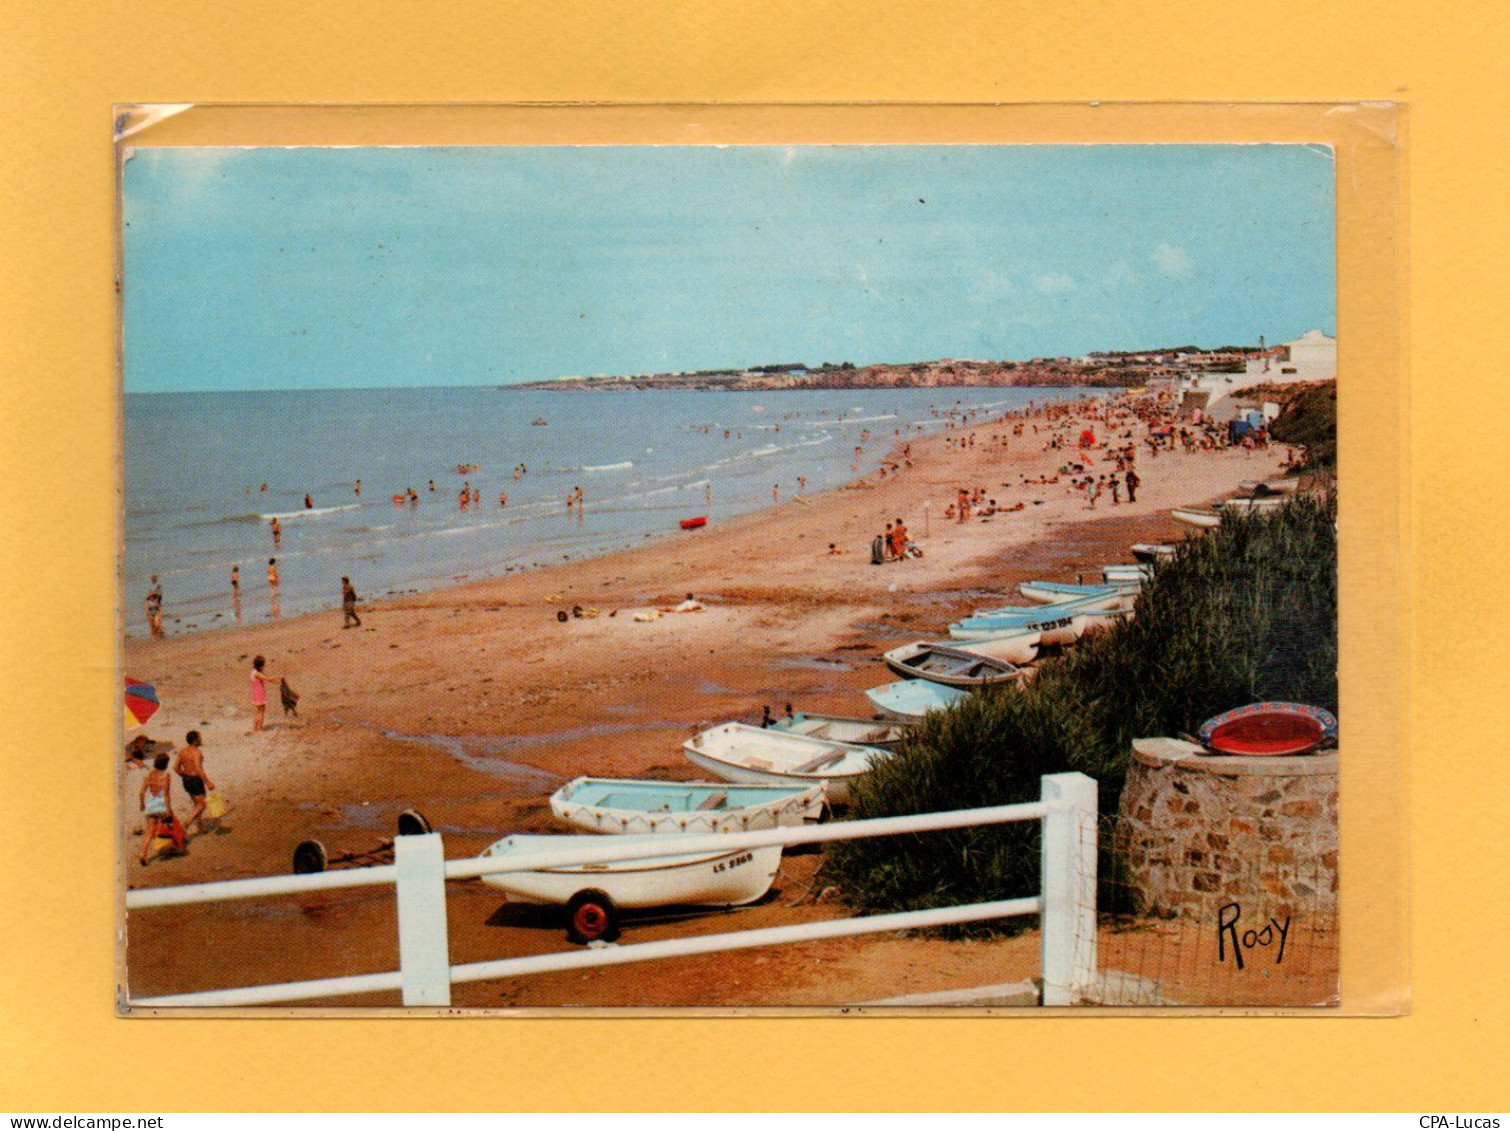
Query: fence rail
[[1067, 903]]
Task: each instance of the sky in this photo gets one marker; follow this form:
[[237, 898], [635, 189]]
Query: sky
[[382, 267]]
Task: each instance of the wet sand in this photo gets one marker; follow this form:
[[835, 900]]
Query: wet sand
[[472, 704]]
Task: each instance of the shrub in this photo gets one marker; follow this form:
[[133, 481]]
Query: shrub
[[1309, 418], [1247, 612]]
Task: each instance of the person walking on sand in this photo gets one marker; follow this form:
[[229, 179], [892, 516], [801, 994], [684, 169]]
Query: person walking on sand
[[259, 681], [349, 604], [899, 539], [155, 800], [277, 532], [196, 782], [1132, 485], [154, 605]]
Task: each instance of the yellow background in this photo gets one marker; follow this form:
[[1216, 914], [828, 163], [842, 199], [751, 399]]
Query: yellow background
[[61, 67]]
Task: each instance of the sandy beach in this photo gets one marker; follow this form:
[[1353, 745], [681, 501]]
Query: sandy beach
[[473, 703]]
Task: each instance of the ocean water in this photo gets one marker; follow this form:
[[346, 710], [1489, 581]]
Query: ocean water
[[195, 464]]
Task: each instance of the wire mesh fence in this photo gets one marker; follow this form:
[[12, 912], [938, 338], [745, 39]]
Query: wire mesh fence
[[1210, 928]]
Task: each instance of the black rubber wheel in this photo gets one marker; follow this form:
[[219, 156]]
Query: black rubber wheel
[[411, 822], [309, 857], [591, 915]]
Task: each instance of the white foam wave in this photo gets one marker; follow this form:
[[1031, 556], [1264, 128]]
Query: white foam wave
[[312, 512]]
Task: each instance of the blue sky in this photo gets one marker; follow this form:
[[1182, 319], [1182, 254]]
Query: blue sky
[[340, 268]]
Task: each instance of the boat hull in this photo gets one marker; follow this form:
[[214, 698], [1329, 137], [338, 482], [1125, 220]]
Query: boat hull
[[634, 808], [1013, 647], [949, 666], [1200, 519], [1054, 593], [738, 753], [1151, 552], [883, 735], [721, 879], [909, 700]]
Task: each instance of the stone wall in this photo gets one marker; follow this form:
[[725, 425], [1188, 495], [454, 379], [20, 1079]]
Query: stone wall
[[1198, 831]]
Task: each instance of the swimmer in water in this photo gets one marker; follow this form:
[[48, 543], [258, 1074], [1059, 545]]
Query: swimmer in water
[[309, 503], [277, 532]]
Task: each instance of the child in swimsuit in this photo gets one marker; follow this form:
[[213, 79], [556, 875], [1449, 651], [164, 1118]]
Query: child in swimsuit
[[155, 800], [196, 782], [259, 683]]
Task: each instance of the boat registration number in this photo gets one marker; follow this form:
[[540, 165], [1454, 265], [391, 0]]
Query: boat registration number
[[733, 862]]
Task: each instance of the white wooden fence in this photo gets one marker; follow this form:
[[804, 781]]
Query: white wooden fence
[[1067, 903]]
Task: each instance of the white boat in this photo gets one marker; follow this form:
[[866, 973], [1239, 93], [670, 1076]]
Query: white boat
[[1243, 506], [911, 699], [1014, 647], [1152, 552], [1133, 574], [1096, 622], [593, 893], [883, 734], [1052, 628], [1269, 486], [953, 667], [1196, 516], [629, 807], [771, 756], [1057, 592]]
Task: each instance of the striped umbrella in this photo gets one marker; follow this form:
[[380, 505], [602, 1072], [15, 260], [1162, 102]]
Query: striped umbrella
[[141, 702]]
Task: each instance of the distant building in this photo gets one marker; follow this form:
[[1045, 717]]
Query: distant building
[[1310, 357]]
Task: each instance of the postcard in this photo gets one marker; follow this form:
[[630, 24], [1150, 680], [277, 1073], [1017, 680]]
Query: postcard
[[864, 577]]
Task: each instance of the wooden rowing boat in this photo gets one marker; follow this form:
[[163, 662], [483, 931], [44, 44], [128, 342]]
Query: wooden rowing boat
[[1197, 517], [630, 807], [910, 699], [1014, 647], [1057, 592], [881, 734], [1151, 552], [953, 667], [772, 756]]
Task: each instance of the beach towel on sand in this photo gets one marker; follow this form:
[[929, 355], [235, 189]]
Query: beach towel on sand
[[290, 699]]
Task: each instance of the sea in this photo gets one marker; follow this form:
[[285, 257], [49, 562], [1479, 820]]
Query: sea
[[205, 473]]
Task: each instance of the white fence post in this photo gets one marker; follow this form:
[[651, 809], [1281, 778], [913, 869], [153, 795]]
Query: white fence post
[[423, 950], [1069, 887]]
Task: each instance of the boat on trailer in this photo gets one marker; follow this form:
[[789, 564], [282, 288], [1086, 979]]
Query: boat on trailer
[[910, 699], [953, 667], [593, 894], [629, 807], [880, 733], [771, 756]]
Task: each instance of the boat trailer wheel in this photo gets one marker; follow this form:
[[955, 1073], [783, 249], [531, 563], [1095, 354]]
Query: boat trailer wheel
[[591, 915], [309, 857]]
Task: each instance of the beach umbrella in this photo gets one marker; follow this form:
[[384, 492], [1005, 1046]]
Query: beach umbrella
[[141, 702]]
